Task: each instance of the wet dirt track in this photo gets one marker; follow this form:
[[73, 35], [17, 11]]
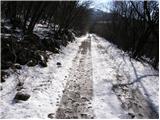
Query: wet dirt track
[[77, 96]]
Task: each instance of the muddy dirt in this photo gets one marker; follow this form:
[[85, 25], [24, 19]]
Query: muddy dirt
[[77, 96]]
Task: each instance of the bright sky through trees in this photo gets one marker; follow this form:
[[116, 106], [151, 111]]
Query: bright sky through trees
[[103, 5]]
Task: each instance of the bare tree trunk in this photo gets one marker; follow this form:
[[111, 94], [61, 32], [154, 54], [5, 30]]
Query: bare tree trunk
[[27, 16], [35, 17]]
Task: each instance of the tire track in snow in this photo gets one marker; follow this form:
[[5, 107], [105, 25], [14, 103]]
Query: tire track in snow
[[77, 96], [131, 98]]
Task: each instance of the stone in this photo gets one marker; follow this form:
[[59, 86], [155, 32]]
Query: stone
[[32, 62], [59, 64], [43, 63], [17, 66], [131, 115], [21, 96], [83, 116], [20, 84], [51, 115]]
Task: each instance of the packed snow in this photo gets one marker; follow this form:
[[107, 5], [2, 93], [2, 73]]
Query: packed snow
[[109, 62], [105, 103]]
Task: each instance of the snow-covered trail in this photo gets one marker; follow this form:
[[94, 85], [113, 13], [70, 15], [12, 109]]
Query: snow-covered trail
[[95, 80], [95, 84], [77, 96], [114, 96]]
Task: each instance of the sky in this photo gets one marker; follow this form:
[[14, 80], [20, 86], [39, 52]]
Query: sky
[[103, 5]]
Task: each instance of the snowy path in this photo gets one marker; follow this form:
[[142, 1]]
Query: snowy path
[[77, 96], [93, 89], [95, 80], [111, 68]]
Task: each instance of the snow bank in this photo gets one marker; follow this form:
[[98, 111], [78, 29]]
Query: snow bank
[[45, 85], [105, 103], [109, 63]]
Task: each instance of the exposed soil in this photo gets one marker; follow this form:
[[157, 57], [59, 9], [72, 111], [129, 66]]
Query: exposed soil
[[77, 96]]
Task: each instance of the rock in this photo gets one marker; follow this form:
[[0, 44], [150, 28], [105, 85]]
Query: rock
[[51, 115], [83, 116], [92, 117], [21, 96], [17, 66], [85, 98], [20, 84], [59, 64], [140, 115], [131, 115], [43, 63], [41, 57], [32, 62]]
